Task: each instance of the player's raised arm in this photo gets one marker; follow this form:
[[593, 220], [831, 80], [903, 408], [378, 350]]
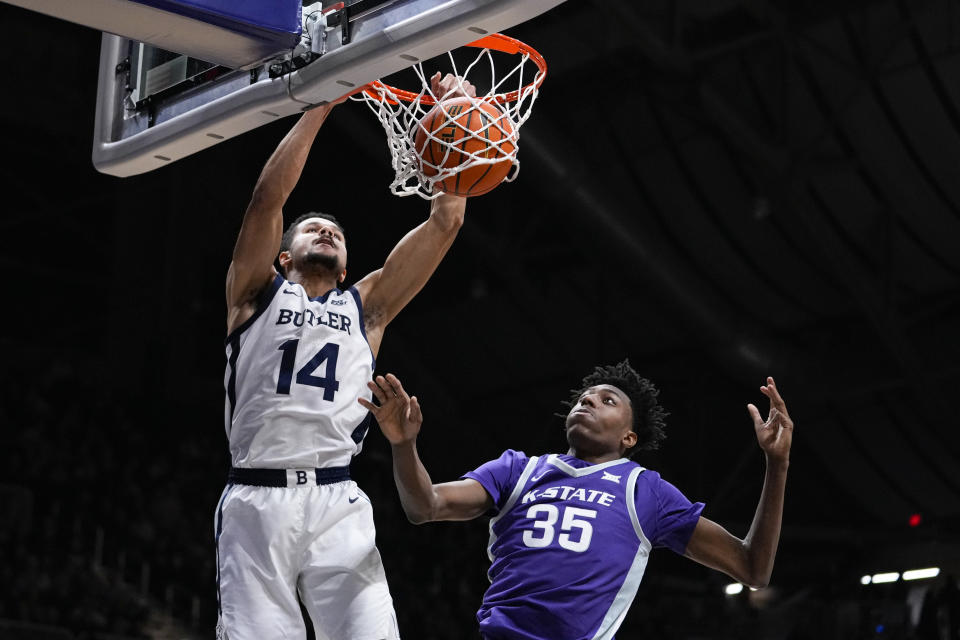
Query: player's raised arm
[[408, 267], [259, 239], [400, 419], [750, 560]]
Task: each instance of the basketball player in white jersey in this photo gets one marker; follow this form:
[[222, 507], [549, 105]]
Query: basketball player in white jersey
[[291, 524]]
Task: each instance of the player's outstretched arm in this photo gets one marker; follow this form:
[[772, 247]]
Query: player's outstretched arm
[[408, 267], [259, 240], [400, 419], [750, 560]]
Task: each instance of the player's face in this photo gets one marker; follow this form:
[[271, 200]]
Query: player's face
[[601, 422], [319, 242]]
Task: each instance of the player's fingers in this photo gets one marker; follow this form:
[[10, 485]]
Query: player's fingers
[[755, 416], [450, 83], [770, 390], [783, 419], [369, 406], [774, 417], [377, 390], [416, 415], [396, 387]]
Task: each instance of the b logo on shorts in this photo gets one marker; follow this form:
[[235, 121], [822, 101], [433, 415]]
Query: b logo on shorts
[[301, 477]]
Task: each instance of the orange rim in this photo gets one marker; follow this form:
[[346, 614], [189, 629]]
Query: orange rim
[[495, 41]]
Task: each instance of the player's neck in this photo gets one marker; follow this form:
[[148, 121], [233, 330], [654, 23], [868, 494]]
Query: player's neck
[[595, 458], [314, 284]]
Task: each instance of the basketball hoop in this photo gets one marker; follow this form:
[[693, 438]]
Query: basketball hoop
[[494, 142]]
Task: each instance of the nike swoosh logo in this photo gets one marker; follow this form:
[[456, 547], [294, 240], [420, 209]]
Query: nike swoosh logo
[[293, 293], [535, 478], [352, 500]]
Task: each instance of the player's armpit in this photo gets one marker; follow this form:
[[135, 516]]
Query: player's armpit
[[242, 296], [252, 265], [713, 546], [461, 500]]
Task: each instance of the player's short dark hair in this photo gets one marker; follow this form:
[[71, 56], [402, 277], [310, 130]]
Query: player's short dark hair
[[649, 417], [287, 238]]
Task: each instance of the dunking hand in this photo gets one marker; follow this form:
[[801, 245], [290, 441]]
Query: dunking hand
[[451, 86]]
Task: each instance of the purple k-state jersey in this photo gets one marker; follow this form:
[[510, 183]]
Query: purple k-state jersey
[[570, 541]]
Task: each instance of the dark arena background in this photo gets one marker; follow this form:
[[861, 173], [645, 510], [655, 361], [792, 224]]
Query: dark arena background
[[719, 191]]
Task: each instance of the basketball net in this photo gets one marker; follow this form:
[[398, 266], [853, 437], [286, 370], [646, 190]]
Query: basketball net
[[400, 112]]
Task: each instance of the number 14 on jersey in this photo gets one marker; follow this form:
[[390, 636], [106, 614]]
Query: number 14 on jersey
[[328, 381]]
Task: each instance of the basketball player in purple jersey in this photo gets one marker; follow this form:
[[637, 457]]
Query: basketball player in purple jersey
[[291, 525], [571, 533]]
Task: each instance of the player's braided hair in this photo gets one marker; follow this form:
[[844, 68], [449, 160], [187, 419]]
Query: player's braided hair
[[291, 231], [649, 417]]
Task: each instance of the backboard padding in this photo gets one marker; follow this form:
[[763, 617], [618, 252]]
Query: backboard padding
[[380, 43]]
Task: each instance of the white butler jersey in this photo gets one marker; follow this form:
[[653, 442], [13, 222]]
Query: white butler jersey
[[294, 372]]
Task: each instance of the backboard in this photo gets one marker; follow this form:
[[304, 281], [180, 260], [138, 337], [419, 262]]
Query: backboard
[[155, 106]]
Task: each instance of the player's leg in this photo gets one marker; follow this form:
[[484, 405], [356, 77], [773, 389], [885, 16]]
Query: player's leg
[[342, 582], [256, 578]]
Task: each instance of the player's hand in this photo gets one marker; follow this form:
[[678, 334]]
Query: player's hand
[[451, 86], [398, 413], [775, 434]]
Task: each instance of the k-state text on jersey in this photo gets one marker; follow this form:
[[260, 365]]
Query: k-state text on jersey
[[569, 493], [326, 319]]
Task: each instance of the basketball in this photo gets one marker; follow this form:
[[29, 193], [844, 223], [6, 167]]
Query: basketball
[[457, 129]]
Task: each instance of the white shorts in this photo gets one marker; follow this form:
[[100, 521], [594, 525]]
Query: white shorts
[[315, 540]]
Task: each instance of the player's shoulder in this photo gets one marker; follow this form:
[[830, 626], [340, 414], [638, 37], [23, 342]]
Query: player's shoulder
[[509, 464], [349, 295], [648, 479], [241, 317], [652, 484], [514, 457], [366, 284], [500, 472]]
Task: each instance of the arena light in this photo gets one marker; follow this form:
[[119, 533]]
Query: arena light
[[865, 580], [733, 589], [920, 574], [880, 578]]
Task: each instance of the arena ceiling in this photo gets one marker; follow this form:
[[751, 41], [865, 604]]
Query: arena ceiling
[[719, 191]]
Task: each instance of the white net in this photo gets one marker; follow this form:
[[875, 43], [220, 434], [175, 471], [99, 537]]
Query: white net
[[469, 139]]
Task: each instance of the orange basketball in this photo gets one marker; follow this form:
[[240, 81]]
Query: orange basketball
[[464, 129]]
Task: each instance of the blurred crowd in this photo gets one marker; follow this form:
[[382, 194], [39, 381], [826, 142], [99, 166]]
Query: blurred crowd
[[106, 526]]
